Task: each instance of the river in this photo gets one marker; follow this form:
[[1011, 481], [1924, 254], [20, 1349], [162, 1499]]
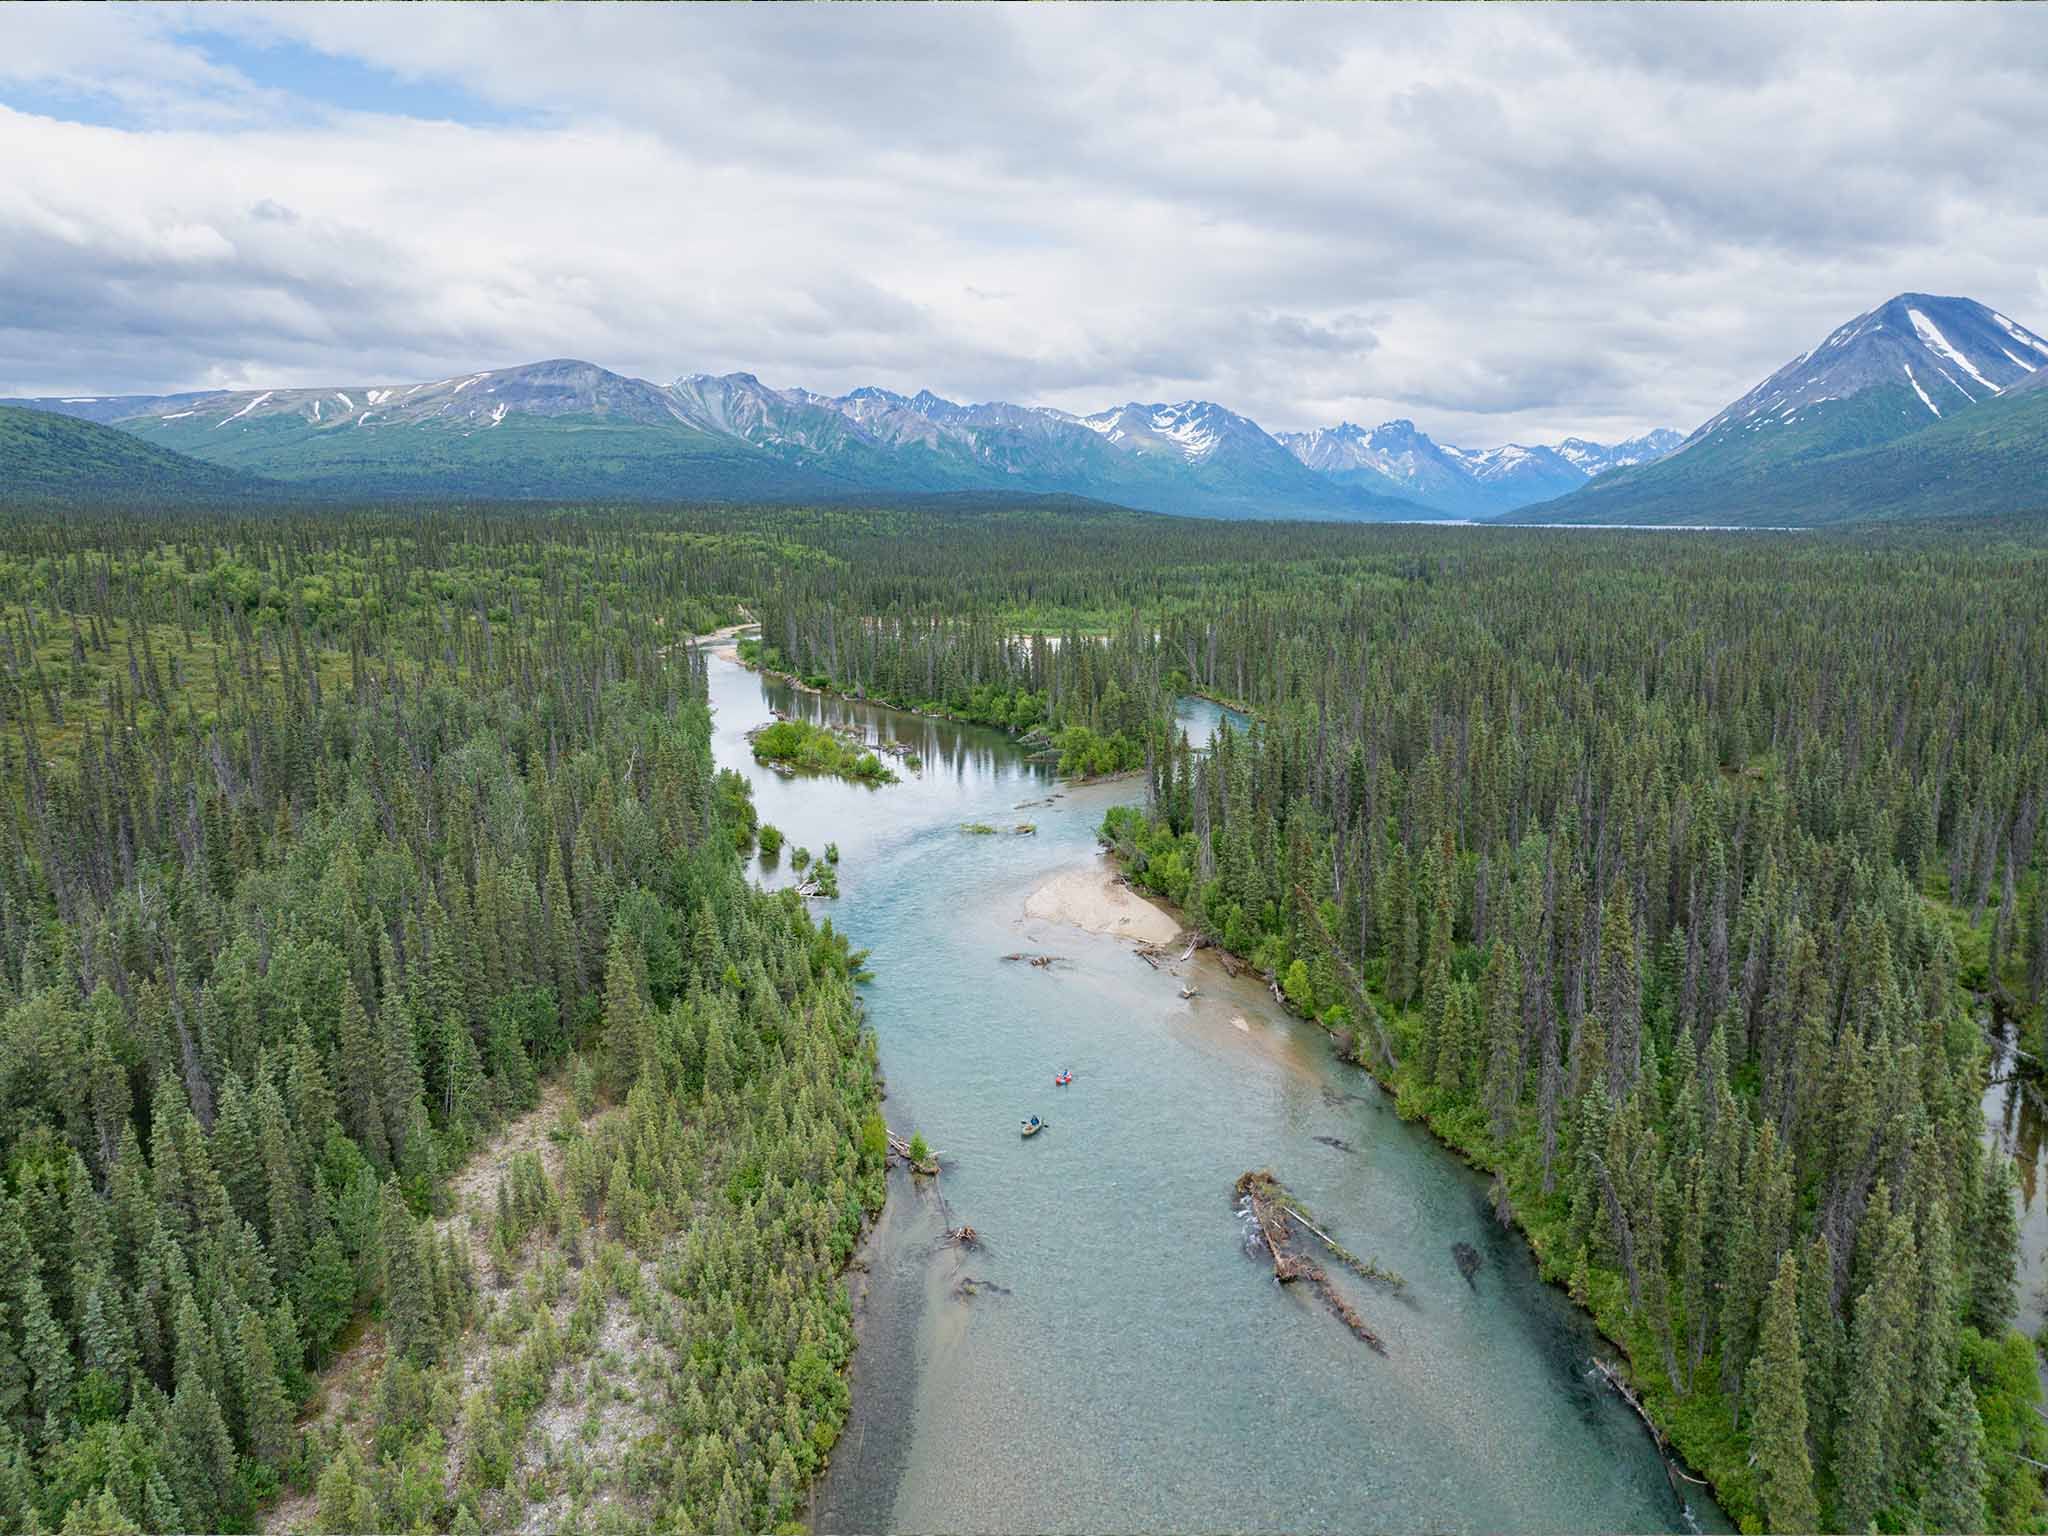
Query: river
[[1125, 1363], [2013, 1121]]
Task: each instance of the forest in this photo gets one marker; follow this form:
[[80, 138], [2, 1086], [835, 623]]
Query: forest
[[335, 845], [1680, 880]]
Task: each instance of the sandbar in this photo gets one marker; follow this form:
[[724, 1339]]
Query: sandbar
[[1089, 898]]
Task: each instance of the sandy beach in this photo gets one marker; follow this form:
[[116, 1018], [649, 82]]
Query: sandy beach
[[1089, 898]]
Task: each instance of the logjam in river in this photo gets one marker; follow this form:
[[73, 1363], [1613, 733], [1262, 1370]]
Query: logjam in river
[[1274, 1214]]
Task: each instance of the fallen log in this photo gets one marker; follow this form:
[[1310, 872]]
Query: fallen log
[[1365, 1269], [1613, 1377], [929, 1167], [1268, 1202]]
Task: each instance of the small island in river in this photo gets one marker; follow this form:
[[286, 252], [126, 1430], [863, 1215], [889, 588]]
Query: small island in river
[[800, 744]]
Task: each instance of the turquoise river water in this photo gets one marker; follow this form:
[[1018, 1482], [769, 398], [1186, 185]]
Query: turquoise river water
[[1124, 1362]]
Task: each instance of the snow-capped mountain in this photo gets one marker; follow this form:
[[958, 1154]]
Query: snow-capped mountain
[[1923, 406], [560, 387], [706, 430], [1463, 482], [1596, 459], [1928, 356], [567, 428]]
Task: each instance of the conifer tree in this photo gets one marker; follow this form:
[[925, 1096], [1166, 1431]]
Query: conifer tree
[[408, 1298], [1994, 1246], [200, 1462], [1777, 1377], [1952, 1498], [628, 1016]]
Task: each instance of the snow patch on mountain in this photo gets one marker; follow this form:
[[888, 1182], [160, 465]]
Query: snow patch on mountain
[[2021, 334], [245, 410], [1930, 333]]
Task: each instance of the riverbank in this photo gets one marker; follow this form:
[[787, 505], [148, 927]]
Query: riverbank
[[1686, 1448]]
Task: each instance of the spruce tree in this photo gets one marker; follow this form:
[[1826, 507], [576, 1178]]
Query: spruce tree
[[1777, 1426], [200, 1462], [627, 1016], [408, 1301], [1952, 1497], [1995, 1247]]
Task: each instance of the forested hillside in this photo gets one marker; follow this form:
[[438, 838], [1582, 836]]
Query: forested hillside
[[48, 456], [332, 845], [1676, 878]]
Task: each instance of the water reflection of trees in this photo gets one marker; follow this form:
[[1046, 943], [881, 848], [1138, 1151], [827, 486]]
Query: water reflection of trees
[[961, 751], [2019, 1124]]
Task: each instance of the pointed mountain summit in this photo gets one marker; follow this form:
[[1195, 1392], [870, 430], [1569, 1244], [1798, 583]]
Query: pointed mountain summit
[[1924, 406], [1927, 356]]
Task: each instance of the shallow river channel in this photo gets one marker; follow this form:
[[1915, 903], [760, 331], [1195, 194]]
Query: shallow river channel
[[1121, 1361]]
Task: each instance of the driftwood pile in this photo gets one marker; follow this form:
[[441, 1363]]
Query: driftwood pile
[[1153, 954], [929, 1167], [1275, 1214]]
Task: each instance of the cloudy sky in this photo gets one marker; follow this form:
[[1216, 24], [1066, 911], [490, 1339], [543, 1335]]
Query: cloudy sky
[[1505, 223]]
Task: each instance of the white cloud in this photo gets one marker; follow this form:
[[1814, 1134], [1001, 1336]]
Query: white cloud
[[1504, 222]]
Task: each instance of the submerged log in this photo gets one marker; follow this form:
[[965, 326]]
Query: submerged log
[[1468, 1261], [1365, 1269], [1269, 1204]]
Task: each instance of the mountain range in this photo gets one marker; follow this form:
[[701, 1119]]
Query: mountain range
[[1923, 407], [1469, 483], [569, 428], [1926, 406]]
